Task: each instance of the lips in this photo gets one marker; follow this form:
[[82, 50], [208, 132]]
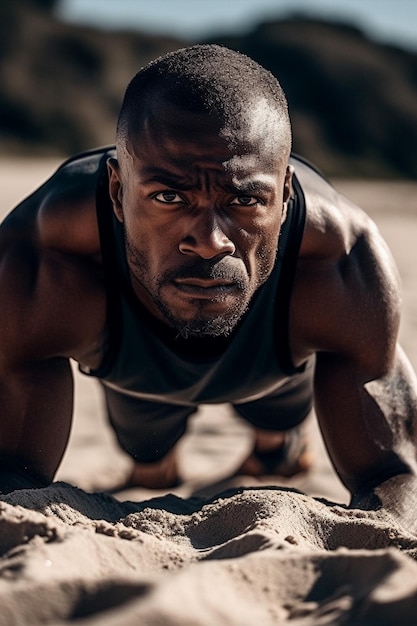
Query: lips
[[203, 282], [204, 287]]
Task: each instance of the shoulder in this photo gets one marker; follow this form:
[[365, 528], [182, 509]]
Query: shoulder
[[347, 294], [329, 216], [61, 213], [67, 213]]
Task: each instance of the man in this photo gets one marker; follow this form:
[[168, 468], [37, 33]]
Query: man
[[199, 263]]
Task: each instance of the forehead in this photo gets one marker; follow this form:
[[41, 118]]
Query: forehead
[[260, 126], [171, 135]]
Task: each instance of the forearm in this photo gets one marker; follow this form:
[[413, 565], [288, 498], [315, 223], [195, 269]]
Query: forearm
[[34, 430], [369, 428]]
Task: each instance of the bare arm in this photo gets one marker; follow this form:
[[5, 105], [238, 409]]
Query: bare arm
[[369, 427], [346, 310], [53, 313], [36, 401], [52, 307], [35, 377]]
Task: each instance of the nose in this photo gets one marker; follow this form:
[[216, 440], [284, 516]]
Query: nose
[[206, 238]]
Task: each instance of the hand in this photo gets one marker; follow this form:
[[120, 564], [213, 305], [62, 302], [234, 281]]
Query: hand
[[14, 476], [397, 496]]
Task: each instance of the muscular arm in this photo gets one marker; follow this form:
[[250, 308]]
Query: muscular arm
[[52, 307], [36, 401], [370, 433], [369, 427], [346, 310], [35, 376], [364, 387]]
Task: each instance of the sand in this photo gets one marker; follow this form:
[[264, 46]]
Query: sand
[[216, 550]]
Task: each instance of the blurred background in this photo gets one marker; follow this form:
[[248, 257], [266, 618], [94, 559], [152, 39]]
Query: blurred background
[[349, 70]]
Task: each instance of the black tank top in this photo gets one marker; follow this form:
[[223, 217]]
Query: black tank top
[[144, 360]]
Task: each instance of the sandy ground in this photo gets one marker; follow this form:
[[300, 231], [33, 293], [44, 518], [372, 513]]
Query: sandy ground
[[216, 550]]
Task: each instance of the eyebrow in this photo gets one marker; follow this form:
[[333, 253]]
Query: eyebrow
[[165, 177], [170, 179]]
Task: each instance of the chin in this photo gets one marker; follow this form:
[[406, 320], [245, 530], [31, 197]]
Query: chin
[[202, 323], [219, 326]]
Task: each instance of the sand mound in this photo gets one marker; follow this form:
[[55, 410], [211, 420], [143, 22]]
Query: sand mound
[[249, 556]]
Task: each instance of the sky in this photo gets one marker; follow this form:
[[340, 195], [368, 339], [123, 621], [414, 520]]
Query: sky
[[389, 21]]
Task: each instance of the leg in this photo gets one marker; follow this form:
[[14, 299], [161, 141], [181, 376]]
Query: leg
[[282, 453], [148, 432], [280, 435]]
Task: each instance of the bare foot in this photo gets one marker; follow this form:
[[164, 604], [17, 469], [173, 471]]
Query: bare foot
[[284, 453], [157, 475]]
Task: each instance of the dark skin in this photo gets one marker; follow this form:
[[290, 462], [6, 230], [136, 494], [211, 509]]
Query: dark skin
[[198, 193], [215, 203]]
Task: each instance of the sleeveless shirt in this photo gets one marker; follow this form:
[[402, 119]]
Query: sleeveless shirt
[[140, 362]]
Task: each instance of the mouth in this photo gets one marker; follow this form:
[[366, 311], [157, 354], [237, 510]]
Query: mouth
[[206, 288]]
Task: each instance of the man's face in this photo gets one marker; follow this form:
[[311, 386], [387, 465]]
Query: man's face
[[201, 218]]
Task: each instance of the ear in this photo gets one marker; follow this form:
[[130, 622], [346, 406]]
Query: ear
[[115, 187], [288, 183]]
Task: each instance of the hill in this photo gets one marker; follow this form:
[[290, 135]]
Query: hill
[[353, 102]]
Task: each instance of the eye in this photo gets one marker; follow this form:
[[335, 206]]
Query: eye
[[168, 197], [245, 201]]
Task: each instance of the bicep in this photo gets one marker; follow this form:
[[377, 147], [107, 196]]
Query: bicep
[[347, 301]]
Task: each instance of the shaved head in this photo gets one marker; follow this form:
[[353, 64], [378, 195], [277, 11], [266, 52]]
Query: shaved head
[[227, 87], [200, 185]]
